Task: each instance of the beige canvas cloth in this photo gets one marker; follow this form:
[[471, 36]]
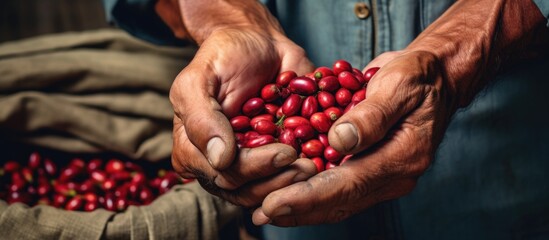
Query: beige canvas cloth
[[89, 92], [99, 91]]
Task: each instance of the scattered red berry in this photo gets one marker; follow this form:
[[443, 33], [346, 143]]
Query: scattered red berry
[[84, 185]]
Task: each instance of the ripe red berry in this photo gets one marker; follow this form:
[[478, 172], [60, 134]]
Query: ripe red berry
[[94, 164], [295, 121], [240, 123], [342, 65], [262, 117], [253, 107], [319, 163], [329, 84], [303, 86], [359, 95], [288, 137], [265, 127], [333, 113], [309, 106], [331, 154], [370, 73], [270, 92], [291, 105], [35, 160], [343, 97], [259, 141], [304, 132], [321, 72], [313, 148], [326, 99], [114, 165], [284, 78], [320, 122]]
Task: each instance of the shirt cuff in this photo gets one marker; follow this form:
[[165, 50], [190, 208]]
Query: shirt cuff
[[543, 6]]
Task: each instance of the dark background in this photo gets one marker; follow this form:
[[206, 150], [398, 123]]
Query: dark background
[[27, 18]]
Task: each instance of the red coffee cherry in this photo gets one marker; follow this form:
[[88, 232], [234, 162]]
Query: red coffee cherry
[[342, 65], [370, 73], [349, 81], [326, 99], [284, 78], [303, 86], [270, 92], [320, 122], [309, 106], [240, 123], [322, 72], [253, 107], [292, 105], [313, 148], [329, 84]]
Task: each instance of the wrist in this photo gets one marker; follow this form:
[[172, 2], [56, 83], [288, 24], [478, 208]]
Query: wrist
[[197, 20], [474, 40]]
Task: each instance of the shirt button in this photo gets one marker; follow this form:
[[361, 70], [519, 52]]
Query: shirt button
[[361, 10]]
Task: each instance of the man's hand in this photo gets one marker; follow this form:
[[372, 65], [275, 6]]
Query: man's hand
[[396, 130], [241, 49], [392, 134]]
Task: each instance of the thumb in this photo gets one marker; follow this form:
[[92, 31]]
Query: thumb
[[388, 100], [207, 128]]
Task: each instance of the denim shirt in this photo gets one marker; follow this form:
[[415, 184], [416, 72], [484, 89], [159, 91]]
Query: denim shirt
[[326, 29], [330, 30]]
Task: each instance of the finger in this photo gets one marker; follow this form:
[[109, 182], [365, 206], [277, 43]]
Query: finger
[[347, 188], [207, 127], [391, 95], [253, 193], [255, 163], [316, 194], [340, 212], [295, 59], [189, 162], [382, 59]]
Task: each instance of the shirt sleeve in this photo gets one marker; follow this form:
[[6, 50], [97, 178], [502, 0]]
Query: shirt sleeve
[[543, 6], [139, 18]]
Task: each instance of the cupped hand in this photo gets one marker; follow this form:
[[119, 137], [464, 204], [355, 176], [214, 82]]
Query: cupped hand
[[393, 135], [230, 67]]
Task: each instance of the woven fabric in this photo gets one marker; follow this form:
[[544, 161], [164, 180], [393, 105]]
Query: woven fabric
[[93, 92], [89, 92]]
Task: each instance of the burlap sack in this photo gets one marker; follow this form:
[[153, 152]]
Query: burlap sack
[[91, 92]]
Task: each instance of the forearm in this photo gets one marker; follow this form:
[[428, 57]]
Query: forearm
[[196, 20], [476, 39]]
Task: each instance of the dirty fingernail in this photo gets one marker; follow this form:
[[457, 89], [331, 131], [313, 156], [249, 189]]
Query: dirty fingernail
[[347, 135], [215, 149], [281, 160]]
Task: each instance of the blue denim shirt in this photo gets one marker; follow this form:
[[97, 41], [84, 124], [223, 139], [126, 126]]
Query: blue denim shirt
[[326, 29], [489, 179]]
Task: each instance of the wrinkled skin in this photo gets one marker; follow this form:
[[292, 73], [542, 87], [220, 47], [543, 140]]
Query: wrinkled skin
[[214, 86]]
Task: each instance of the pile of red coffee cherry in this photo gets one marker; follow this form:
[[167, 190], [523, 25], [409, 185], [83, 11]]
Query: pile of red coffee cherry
[[83, 185], [299, 111]]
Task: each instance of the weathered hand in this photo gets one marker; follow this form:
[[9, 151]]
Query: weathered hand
[[393, 134], [231, 65]]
